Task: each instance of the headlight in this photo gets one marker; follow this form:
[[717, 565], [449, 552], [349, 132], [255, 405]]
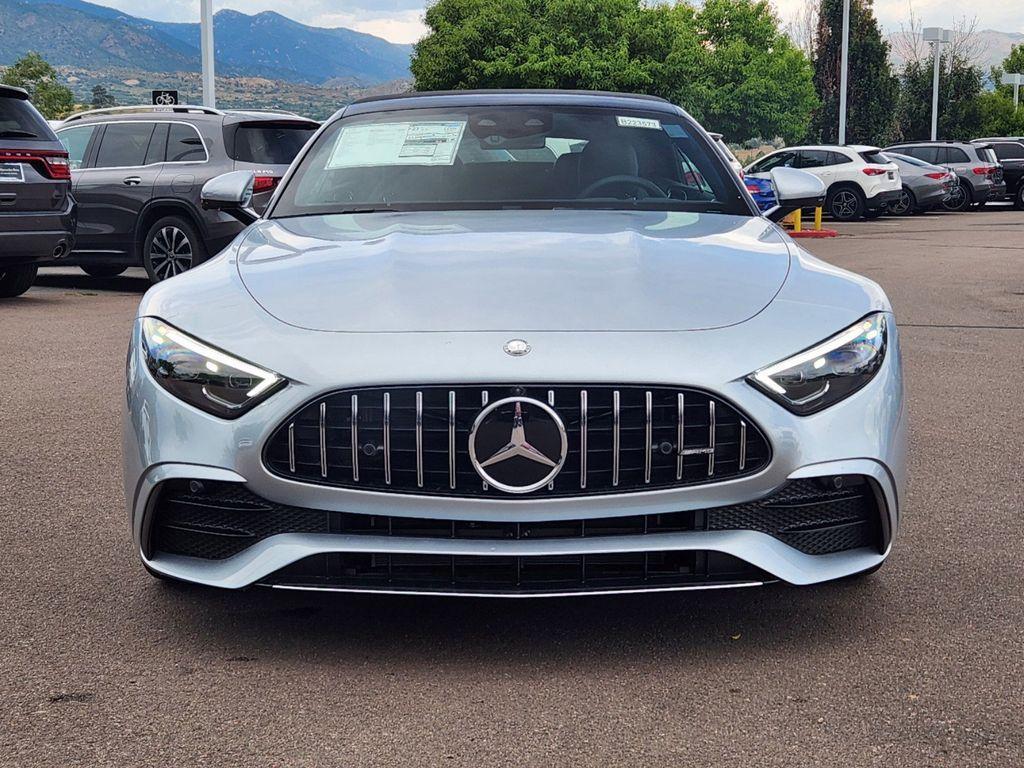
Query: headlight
[[827, 373], [202, 376]]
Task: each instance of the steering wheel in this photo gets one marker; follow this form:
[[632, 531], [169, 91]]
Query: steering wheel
[[624, 178]]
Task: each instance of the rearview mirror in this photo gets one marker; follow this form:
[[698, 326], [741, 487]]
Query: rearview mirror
[[795, 189], [232, 194]]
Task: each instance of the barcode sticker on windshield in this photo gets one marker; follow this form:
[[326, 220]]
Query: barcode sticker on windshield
[[374, 144], [638, 122]]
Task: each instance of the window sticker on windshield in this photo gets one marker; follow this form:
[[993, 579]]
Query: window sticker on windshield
[[11, 172], [429, 143], [676, 131], [638, 122]]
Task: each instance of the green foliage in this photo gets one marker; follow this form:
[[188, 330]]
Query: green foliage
[[36, 76], [101, 97], [728, 63], [873, 88], [998, 117], [960, 108]]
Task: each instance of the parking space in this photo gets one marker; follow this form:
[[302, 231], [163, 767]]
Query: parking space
[[919, 665]]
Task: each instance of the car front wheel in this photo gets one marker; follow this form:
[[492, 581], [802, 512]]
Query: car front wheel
[[172, 246], [904, 204], [1018, 201], [14, 281], [959, 199], [845, 204]]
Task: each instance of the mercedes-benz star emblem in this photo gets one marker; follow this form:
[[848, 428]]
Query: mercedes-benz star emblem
[[516, 347], [503, 456]]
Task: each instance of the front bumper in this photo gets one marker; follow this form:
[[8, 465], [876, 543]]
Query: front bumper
[[165, 440]]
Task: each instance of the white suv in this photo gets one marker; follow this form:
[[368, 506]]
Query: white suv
[[861, 181]]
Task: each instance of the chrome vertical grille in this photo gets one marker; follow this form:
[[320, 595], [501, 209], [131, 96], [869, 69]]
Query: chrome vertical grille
[[416, 439]]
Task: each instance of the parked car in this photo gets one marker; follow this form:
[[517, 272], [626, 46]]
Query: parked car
[[762, 192], [37, 210], [730, 158], [925, 186], [976, 166], [138, 172], [860, 180], [1010, 153], [429, 369]]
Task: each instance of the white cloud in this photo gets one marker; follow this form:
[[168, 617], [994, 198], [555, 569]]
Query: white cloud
[[398, 27], [1000, 15]]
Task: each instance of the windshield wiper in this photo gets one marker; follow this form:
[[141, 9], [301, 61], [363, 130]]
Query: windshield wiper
[[18, 135], [370, 209]]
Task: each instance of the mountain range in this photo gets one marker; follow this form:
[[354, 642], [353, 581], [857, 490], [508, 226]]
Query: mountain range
[[269, 45]]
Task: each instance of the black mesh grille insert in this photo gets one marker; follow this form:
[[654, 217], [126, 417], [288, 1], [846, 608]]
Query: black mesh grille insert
[[218, 520], [517, 575], [719, 443]]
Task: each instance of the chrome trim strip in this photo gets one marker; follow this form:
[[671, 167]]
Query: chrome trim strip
[[648, 435], [419, 439], [711, 437], [680, 433], [323, 439], [354, 421], [451, 439], [743, 445], [387, 438], [291, 446], [615, 438], [483, 402], [551, 402], [523, 595], [583, 438]]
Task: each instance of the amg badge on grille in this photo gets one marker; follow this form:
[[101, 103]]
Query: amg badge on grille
[[502, 455]]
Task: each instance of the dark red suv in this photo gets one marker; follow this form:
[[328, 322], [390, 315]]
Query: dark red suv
[[37, 211]]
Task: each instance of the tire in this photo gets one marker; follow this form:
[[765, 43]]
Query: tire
[[14, 281], [1018, 200], [845, 204], [905, 204], [170, 247], [961, 202], [103, 270]]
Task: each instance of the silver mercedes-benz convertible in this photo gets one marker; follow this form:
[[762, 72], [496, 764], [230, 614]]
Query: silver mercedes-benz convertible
[[513, 343]]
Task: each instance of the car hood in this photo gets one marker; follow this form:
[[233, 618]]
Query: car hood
[[513, 271]]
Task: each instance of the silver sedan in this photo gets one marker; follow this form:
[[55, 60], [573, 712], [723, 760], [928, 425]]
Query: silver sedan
[[925, 186], [513, 344]]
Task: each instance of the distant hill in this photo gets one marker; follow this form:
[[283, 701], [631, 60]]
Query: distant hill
[[79, 34]]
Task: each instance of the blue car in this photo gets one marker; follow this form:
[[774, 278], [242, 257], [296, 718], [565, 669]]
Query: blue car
[[762, 192]]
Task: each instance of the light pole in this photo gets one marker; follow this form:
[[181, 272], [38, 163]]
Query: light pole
[[936, 36], [1015, 79], [206, 45], [844, 67]]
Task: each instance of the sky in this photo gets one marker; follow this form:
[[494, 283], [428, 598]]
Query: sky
[[400, 21]]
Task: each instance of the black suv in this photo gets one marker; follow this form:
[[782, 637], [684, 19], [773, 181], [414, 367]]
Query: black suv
[[138, 173], [1010, 151], [37, 212]]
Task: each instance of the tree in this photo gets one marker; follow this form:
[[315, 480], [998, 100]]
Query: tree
[[960, 86], [101, 97], [35, 75], [872, 87], [727, 63]]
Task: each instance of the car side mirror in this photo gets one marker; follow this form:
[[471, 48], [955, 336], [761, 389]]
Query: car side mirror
[[232, 194], [794, 189]]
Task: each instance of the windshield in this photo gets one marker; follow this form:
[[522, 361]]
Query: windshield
[[511, 157]]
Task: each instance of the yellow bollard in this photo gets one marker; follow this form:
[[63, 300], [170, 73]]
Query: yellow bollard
[[797, 215], [817, 219]]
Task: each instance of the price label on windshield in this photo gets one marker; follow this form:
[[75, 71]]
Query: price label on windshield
[[406, 143]]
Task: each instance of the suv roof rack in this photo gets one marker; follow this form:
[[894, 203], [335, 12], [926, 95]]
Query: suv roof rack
[[261, 111], [144, 108]]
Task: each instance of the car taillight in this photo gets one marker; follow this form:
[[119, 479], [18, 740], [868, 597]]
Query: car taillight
[[874, 171], [51, 163], [936, 175], [264, 183], [984, 170]]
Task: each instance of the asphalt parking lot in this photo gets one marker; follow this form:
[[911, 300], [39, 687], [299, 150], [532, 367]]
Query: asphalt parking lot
[[918, 665]]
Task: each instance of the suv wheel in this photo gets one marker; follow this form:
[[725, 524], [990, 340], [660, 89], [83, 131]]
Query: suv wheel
[[845, 204], [904, 204], [1018, 201], [959, 199], [14, 281], [103, 270], [172, 246]]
